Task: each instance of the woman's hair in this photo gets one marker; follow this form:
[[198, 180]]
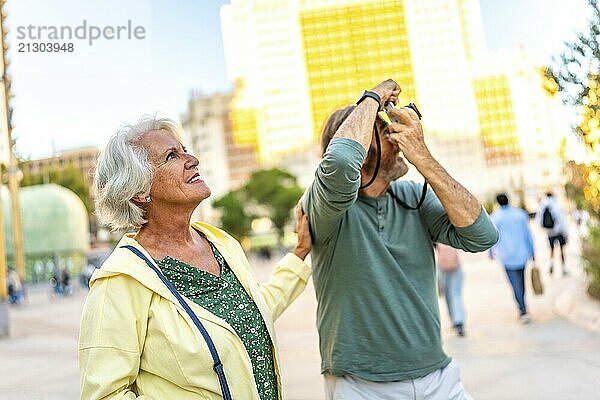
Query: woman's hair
[[123, 171]]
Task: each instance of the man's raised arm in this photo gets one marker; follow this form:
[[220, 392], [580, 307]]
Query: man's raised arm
[[462, 208], [359, 124], [338, 177]]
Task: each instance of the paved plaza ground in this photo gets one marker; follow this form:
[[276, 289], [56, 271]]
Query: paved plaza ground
[[500, 359]]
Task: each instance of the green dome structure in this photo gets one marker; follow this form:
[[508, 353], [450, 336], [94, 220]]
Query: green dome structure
[[55, 230]]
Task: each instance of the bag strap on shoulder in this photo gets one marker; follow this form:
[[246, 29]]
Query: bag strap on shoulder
[[218, 366]]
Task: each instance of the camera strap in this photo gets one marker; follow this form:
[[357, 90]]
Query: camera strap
[[403, 204], [378, 142], [376, 171]]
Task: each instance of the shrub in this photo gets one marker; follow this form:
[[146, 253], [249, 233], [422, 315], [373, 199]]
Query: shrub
[[590, 253]]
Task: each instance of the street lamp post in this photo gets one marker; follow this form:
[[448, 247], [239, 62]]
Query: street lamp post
[[13, 170], [4, 330], [13, 184], [3, 270]]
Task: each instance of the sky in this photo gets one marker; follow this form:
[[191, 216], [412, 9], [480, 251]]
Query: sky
[[73, 99]]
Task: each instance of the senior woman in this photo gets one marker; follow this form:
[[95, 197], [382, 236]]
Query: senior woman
[[175, 303]]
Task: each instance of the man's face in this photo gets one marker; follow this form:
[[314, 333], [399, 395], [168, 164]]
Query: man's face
[[392, 165]]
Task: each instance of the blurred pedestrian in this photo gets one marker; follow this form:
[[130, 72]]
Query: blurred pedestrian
[[56, 283], [175, 312], [15, 287], [450, 277], [374, 263], [552, 217], [65, 279], [582, 221], [514, 248]]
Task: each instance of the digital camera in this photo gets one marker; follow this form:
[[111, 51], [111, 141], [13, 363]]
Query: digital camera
[[389, 106]]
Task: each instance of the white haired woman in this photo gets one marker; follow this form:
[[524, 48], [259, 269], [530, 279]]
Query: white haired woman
[[174, 312]]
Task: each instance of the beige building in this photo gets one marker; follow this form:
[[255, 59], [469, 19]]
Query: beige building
[[84, 159], [224, 164]]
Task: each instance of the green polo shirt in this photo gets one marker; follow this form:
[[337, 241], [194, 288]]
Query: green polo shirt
[[374, 270]]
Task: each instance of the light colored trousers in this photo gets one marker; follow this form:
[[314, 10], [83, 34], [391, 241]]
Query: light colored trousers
[[442, 384], [452, 284]]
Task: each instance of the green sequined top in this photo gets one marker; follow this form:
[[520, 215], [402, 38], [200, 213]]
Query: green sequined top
[[226, 298]]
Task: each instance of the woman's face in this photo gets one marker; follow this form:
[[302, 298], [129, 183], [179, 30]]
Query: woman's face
[[176, 178]]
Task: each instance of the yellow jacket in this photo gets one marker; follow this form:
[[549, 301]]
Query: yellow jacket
[[137, 341]]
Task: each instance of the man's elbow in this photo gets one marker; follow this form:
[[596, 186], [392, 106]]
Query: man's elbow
[[340, 180], [482, 242], [339, 164], [489, 240]]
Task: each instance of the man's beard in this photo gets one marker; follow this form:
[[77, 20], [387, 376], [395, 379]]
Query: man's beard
[[389, 169], [370, 162]]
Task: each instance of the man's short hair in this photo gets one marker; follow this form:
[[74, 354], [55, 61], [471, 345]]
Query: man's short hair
[[502, 199], [332, 124]]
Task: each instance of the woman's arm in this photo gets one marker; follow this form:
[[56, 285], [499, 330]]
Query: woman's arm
[[289, 278], [113, 328]]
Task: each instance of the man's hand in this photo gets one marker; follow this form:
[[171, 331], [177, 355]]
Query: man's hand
[[388, 91], [460, 205], [407, 131]]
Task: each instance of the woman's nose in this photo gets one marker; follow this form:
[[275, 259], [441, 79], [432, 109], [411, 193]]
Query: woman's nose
[[192, 162]]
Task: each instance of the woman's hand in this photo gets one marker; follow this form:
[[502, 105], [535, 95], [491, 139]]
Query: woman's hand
[[304, 243]]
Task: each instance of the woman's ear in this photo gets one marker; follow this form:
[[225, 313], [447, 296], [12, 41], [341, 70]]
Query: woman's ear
[[142, 198]]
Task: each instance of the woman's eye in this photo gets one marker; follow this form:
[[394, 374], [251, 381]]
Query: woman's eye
[[171, 155]]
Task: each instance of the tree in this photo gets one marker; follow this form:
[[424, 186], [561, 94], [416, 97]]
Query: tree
[[69, 177], [575, 75], [272, 193], [234, 218], [278, 192], [576, 183], [577, 78]]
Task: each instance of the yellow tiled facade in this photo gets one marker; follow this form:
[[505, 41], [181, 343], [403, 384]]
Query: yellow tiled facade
[[296, 61], [351, 46], [243, 116], [497, 120]]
